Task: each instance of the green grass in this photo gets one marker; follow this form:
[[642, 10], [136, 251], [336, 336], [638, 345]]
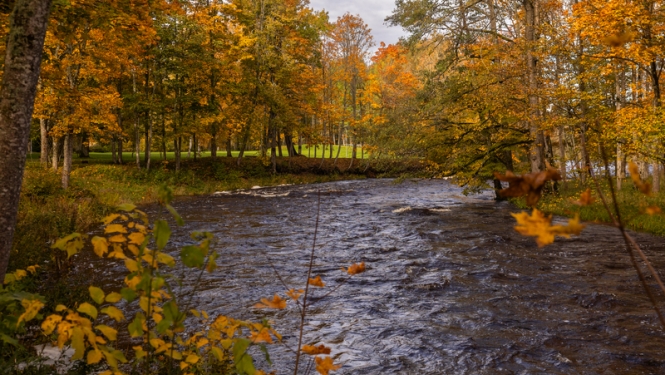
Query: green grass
[[632, 205], [156, 156]]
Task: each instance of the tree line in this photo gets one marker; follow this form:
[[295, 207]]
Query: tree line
[[523, 84]]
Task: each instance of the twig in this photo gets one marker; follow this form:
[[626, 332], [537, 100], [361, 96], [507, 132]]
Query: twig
[[309, 274]]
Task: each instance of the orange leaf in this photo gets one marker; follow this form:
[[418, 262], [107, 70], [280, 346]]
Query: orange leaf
[[530, 184], [585, 198], [261, 336], [644, 187], [295, 294], [276, 303], [653, 210], [316, 282], [356, 268], [324, 365], [314, 350]]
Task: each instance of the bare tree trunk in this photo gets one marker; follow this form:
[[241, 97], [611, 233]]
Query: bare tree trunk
[[120, 161], [113, 152], [67, 160], [229, 153], [536, 155], [562, 154], [213, 142], [137, 143], [148, 142], [178, 150], [656, 176], [43, 134], [24, 45], [54, 155]]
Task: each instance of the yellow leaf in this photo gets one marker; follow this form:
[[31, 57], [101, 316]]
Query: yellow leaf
[[113, 312], [134, 249], [136, 238], [131, 265], [94, 356], [139, 352], [107, 331], [96, 294], [32, 307], [217, 352], [60, 308], [100, 246], [32, 269], [118, 238], [115, 228], [109, 219], [192, 358], [50, 323], [88, 309], [113, 297]]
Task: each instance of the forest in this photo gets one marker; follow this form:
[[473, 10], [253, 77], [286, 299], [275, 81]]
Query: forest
[[109, 109]]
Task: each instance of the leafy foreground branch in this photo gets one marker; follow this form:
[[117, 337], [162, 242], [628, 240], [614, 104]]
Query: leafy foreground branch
[[540, 226], [159, 341]]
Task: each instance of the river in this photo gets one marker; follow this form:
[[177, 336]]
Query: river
[[450, 287]]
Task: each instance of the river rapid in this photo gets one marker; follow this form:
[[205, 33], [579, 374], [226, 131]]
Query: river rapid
[[450, 287]]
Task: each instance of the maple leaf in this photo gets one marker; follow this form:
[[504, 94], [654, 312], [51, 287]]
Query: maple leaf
[[276, 303], [356, 268], [585, 198], [644, 187], [540, 226], [325, 365], [261, 336], [530, 184], [314, 350], [317, 282], [295, 294]]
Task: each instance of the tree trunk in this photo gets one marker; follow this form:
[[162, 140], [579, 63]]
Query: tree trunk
[[54, 155], [562, 154], [137, 143], [229, 153], [43, 134], [114, 157], [24, 45], [213, 142], [148, 141], [536, 155], [120, 161], [67, 149], [178, 145], [656, 176]]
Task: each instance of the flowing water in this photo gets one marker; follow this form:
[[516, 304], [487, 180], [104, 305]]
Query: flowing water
[[450, 287]]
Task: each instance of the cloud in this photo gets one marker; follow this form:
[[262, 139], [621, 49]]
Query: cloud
[[373, 12]]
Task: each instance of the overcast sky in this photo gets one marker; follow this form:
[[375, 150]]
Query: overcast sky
[[373, 12]]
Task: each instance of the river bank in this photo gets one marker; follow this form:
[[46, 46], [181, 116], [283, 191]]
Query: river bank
[[47, 212], [632, 205]]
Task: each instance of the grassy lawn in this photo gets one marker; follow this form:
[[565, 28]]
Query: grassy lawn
[[632, 205], [128, 157]]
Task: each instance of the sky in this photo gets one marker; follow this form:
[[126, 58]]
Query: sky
[[373, 12]]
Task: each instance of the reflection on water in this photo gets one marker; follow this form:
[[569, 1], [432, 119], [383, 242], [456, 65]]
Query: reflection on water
[[449, 288]]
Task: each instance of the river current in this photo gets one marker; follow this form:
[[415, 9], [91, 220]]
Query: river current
[[450, 287]]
